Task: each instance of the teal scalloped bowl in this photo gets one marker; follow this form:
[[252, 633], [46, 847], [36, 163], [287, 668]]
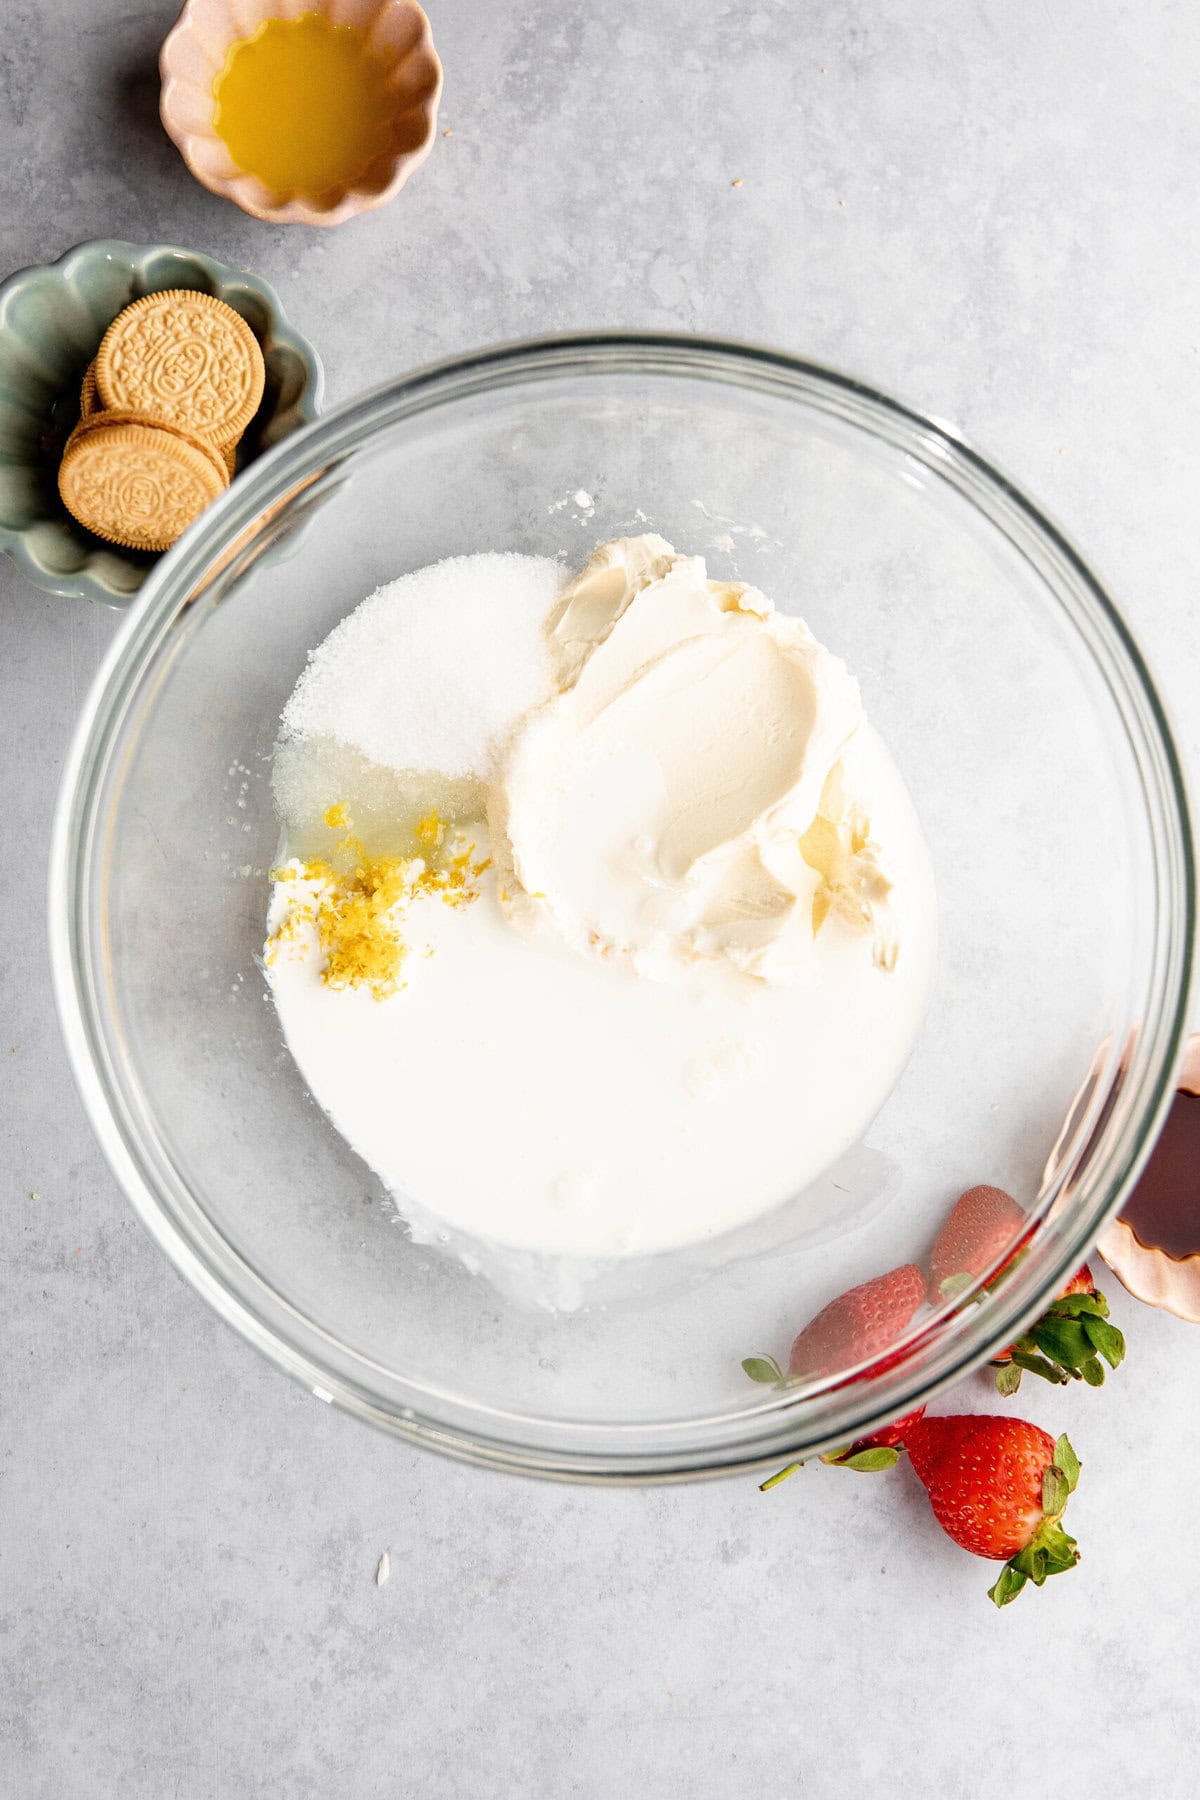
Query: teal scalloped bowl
[[52, 319]]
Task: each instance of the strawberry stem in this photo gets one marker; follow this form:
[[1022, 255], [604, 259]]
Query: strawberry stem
[[1036, 1365], [779, 1475]]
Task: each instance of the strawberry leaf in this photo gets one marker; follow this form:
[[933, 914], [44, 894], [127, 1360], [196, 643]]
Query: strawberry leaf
[[763, 1368], [1062, 1340], [1075, 1306], [1066, 1460], [1008, 1378], [1069, 1339], [954, 1285], [1057, 1549], [1009, 1585], [1051, 1552], [879, 1456], [1055, 1492], [1106, 1339]]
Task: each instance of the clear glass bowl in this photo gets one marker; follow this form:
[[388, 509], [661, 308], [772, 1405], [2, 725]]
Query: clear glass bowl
[[1015, 704]]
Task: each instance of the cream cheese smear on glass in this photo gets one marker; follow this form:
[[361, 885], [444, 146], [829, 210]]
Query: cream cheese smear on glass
[[605, 923]]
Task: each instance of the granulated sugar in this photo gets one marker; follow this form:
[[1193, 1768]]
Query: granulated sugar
[[432, 671]]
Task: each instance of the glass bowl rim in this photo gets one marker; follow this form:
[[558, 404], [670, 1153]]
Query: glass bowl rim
[[836, 1410]]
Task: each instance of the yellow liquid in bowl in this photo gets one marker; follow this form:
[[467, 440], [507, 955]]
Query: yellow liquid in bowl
[[303, 104]]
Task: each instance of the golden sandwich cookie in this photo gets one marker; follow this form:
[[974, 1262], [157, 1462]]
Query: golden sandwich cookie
[[186, 360], [89, 400], [137, 484]]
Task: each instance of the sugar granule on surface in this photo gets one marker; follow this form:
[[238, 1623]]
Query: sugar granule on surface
[[432, 671]]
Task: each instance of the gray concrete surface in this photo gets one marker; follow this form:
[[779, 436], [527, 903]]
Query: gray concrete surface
[[990, 207]]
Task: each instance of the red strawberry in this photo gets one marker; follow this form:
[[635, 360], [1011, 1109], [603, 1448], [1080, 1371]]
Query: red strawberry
[[1081, 1282], [889, 1435], [858, 1325], [999, 1487], [1067, 1341], [981, 1228], [880, 1450]]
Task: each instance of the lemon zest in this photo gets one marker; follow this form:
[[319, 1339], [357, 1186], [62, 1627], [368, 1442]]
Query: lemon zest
[[355, 902]]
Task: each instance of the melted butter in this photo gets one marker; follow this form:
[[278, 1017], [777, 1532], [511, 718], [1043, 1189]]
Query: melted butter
[[303, 104]]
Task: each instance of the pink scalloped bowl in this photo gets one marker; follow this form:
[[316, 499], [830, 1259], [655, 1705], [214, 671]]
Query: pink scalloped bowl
[[194, 53]]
